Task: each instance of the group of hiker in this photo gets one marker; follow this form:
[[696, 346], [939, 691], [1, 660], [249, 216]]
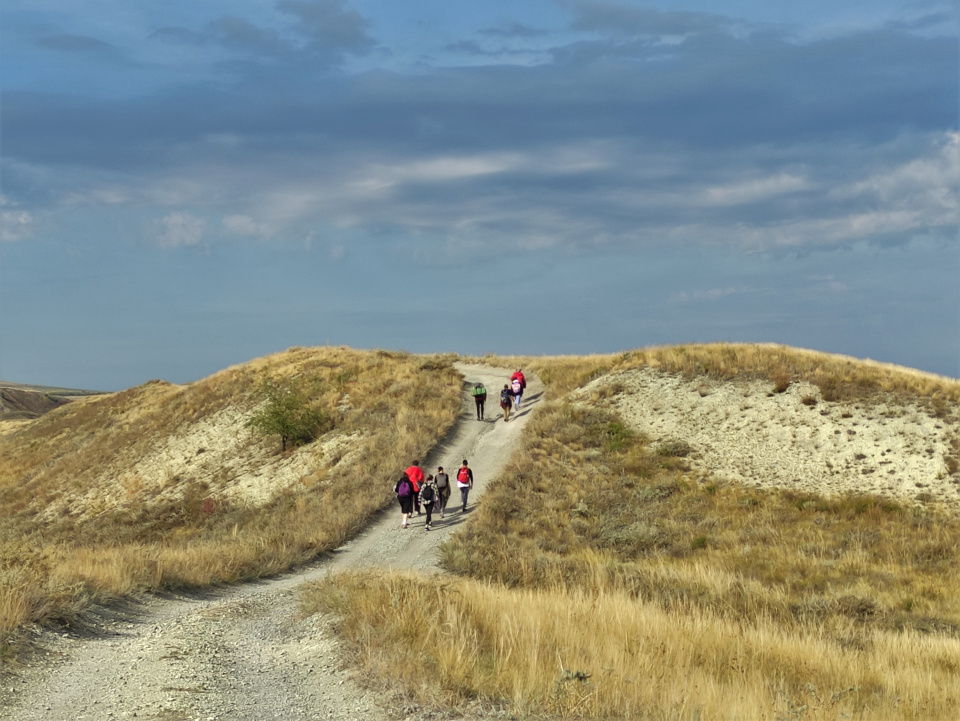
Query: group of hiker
[[430, 492], [509, 397]]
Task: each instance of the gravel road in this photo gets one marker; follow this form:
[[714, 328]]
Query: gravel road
[[243, 653]]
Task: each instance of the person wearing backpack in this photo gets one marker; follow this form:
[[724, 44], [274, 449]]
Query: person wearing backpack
[[506, 401], [415, 474], [442, 482], [405, 495], [428, 498], [516, 388], [479, 397], [464, 483]]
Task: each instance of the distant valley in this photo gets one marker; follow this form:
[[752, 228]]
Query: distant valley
[[21, 401]]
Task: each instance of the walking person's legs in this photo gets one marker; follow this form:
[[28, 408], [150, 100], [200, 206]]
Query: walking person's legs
[[464, 492], [428, 507], [444, 497]]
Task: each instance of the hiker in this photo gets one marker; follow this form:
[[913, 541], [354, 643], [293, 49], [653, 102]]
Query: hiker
[[479, 397], [517, 388], [428, 498], [415, 474], [405, 494], [518, 374], [464, 483], [442, 482], [506, 401]]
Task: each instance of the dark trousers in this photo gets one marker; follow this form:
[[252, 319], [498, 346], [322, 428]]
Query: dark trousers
[[428, 507], [443, 495], [464, 492], [479, 402]]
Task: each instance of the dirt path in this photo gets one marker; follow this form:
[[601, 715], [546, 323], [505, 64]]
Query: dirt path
[[243, 654]]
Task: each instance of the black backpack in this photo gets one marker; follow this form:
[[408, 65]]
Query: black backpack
[[426, 495], [505, 396]]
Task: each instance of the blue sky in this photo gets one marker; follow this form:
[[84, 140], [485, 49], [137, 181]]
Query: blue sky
[[190, 185]]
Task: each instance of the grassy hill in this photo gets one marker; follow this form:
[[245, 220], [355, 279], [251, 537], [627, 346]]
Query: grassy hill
[[645, 557], [607, 576], [164, 486]]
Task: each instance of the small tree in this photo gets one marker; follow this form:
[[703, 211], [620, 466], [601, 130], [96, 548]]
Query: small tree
[[287, 413]]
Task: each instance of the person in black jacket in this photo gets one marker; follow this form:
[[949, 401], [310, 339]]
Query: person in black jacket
[[506, 401]]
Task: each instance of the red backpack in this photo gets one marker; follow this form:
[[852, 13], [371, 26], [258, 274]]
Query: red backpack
[[463, 475]]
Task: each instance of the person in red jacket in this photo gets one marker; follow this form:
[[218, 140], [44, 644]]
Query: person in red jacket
[[415, 474], [518, 384], [464, 483]]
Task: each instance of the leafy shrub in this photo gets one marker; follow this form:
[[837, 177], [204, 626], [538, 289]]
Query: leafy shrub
[[288, 413]]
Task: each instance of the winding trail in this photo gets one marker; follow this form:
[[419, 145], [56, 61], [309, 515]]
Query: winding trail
[[243, 653]]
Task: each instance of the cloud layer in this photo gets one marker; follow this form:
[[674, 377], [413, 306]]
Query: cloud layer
[[562, 130]]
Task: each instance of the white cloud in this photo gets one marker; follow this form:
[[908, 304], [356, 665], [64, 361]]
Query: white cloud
[[437, 170], [180, 229], [711, 295], [752, 191], [246, 226], [929, 181], [15, 225], [98, 196]]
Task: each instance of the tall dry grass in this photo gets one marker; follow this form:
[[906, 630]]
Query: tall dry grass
[[576, 653], [112, 535]]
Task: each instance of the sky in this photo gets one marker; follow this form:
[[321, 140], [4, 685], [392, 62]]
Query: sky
[[185, 186]]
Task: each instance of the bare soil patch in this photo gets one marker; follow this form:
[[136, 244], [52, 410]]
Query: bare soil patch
[[745, 432]]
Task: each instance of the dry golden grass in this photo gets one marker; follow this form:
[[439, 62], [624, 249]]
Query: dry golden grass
[[601, 579], [838, 377], [114, 533], [588, 504], [584, 654]]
